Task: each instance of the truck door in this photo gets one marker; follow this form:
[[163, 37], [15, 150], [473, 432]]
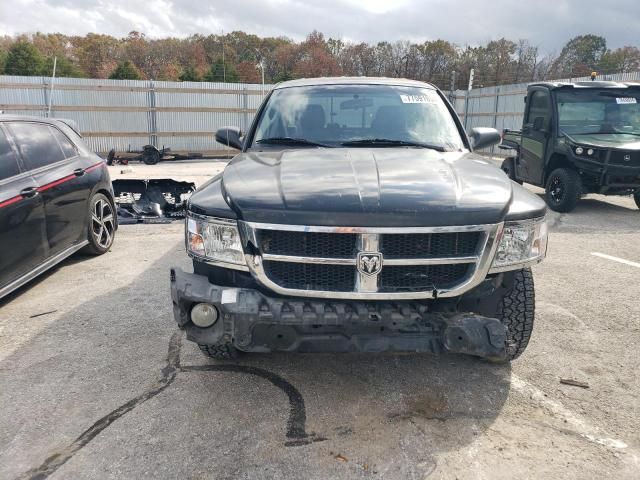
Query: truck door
[[535, 135]]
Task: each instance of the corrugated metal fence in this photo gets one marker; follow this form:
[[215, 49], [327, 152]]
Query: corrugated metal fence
[[503, 106], [126, 114]]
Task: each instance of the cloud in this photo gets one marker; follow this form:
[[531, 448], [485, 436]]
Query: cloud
[[547, 23]]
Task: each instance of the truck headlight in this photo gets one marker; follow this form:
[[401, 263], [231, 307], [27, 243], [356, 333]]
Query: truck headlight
[[522, 243], [215, 239]]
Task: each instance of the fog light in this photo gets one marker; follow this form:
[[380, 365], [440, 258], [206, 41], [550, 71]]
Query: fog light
[[204, 315]]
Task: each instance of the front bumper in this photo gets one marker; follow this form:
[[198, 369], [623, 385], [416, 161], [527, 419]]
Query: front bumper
[[255, 322]]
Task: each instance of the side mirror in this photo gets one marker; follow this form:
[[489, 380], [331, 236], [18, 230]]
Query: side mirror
[[229, 136], [483, 137], [538, 124]]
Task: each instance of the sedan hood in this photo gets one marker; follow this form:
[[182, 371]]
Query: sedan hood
[[366, 187]]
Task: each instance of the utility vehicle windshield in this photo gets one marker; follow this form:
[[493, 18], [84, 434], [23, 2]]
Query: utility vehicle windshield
[[592, 111], [357, 116]]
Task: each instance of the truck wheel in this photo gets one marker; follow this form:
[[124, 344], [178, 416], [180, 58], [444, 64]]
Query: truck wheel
[[509, 167], [516, 310], [219, 351], [563, 189], [151, 157], [636, 197]]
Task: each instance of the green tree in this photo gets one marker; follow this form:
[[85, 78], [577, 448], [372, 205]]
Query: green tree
[[221, 72], [64, 68], [24, 59], [581, 55], [190, 74], [126, 70]]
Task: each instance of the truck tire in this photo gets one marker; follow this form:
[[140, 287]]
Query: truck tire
[[563, 190], [509, 167], [219, 351], [151, 157], [516, 311], [636, 197]]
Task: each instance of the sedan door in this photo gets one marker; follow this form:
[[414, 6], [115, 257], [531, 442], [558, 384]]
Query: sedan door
[[23, 235], [54, 162]]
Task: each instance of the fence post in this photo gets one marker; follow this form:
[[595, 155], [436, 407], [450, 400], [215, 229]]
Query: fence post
[[245, 106], [495, 115], [466, 98], [153, 127]]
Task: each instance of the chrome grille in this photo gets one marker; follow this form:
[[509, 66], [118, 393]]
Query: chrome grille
[[401, 263]]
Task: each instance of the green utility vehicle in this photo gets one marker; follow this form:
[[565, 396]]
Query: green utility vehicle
[[578, 138]]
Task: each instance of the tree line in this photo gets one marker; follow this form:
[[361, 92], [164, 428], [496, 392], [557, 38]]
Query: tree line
[[234, 57]]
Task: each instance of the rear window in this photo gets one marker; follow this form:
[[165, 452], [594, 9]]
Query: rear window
[[8, 161], [37, 144], [65, 144]]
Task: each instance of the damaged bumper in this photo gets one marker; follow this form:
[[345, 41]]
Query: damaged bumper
[[254, 322]]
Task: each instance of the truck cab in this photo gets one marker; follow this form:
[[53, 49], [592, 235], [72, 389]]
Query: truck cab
[[578, 138]]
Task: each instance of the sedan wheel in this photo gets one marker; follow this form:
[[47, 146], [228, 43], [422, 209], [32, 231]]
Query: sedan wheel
[[102, 225]]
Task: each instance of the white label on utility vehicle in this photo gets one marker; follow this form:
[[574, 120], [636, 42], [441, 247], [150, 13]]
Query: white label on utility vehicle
[[229, 295], [624, 101], [431, 98]]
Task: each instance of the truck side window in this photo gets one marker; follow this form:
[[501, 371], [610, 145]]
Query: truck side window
[[8, 161], [37, 144], [539, 107]]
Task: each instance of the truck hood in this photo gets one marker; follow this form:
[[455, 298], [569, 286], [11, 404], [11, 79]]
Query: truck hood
[[620, 141], [363, 187]]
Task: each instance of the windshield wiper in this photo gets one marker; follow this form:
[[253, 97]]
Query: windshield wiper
[[291, 141], [387, 142]]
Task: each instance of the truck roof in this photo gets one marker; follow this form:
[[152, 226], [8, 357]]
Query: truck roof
[[310, 82], [588, 84]]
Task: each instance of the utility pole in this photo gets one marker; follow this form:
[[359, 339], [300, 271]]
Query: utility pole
[[260, 65], [466, 99], [224, 64], [452, 90], [53, 77]]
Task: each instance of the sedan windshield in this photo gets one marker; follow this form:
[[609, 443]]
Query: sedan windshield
[[377, 116], [582, 111]]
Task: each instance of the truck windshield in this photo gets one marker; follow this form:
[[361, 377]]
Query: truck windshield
[[592, 111], [357, 116]]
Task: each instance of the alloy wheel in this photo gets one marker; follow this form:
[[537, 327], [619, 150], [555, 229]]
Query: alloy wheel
[[557, 190], [102, 223]]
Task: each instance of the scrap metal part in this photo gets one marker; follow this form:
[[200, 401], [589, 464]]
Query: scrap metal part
[[151, 201], [255, 322]]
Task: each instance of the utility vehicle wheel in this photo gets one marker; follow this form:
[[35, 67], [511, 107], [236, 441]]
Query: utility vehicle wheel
[[102, 225], [509, 167], [219, 351], [151, 157], [563, 189], [636, 197], [516, 310], [111, 156]]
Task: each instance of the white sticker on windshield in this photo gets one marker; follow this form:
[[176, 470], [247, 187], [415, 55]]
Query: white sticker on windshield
[[419, 98], [623, 101]]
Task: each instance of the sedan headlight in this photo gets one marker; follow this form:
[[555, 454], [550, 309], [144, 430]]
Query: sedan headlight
[[215, 239], [522, 243]]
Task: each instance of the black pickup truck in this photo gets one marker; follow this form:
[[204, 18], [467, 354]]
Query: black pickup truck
[[358, 218], [578, 138]]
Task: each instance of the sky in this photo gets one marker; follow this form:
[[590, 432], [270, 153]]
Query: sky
[[545, 23]]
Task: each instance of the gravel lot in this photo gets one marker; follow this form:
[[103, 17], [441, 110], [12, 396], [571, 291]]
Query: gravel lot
[[95, 381]]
